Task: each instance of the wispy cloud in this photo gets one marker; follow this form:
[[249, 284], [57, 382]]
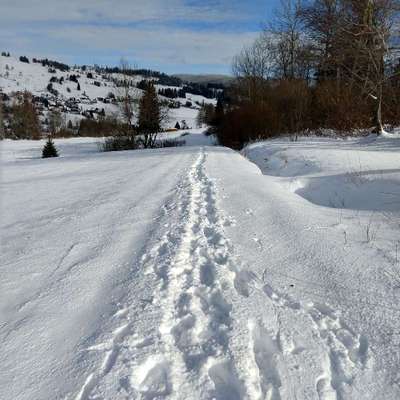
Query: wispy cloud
[[175, 34]]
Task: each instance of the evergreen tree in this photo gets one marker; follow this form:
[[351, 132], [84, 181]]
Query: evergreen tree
[[150, 116], [177, 126], [49, 149], [218, 115], [78, 87]]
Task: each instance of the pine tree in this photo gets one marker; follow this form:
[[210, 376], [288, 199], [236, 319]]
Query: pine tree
[[49, 149], [218, 114], [78, 87], [177, 126], [150, 116]]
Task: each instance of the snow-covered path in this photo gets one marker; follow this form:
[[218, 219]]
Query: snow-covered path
[[185, 273]]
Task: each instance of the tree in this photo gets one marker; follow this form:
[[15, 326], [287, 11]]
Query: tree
[[56, 122], [49, 149], [78, 87], [366, 35], [127, 105], [353, 38], [177, 126], [1, 120], [150, 116], [205, 115], [218, 114], [253, 66], [321, 19], [25, 122]]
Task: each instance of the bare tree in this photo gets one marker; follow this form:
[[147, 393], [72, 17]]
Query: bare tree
[[126, 97], [321, 23], [353, 42], [366, 33], [56, 122], [25, 121], [293, 53], [254, 66], [1, 119]]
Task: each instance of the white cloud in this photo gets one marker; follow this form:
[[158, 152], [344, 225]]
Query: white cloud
[[118, 10], [152, 32]]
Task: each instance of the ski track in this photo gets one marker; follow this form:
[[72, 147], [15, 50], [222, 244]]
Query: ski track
[[194, 269]]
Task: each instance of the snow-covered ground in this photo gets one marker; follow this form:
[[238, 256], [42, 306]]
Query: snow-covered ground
[[192, 273]]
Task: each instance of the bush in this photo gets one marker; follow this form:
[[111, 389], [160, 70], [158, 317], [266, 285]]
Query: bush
[[119, 143], [100, 127], [49, 149], [24, 59], [170, 143]]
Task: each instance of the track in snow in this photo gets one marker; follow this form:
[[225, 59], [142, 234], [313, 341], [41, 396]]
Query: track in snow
[[196, 321], [191, 352]]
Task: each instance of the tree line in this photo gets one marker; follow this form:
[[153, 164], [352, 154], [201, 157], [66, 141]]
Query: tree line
[[321, 65]]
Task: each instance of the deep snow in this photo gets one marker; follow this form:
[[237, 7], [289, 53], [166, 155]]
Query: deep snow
[[194, 273]]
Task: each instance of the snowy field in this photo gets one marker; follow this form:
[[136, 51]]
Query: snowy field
[[200, 273]]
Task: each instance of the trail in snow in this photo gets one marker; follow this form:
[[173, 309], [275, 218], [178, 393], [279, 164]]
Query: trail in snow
[[196, 321], [200, 348]]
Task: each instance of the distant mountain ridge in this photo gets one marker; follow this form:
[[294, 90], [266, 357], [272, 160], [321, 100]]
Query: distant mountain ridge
[[204, 79]]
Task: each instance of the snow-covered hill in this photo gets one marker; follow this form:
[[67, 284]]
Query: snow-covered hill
[[192, 273], [89, 90]]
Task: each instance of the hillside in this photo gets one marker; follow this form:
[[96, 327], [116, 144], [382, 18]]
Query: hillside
[[85, 91]]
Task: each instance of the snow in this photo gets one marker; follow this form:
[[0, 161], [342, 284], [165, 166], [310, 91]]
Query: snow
[[192, 272], [18, 76]]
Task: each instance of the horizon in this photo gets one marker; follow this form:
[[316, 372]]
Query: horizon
[[181, 37]]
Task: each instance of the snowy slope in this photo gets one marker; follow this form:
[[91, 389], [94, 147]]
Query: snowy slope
[[186, 273], [19, 76], [16, 75]]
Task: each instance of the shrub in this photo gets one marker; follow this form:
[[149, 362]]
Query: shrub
[[170, 143], [119, 143]]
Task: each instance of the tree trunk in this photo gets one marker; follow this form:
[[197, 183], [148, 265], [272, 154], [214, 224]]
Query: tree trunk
[[378, 113]]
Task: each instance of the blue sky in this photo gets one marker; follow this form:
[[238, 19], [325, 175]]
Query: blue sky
[[173, 36]]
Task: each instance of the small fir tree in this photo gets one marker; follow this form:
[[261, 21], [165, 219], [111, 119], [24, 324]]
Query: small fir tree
[[49, 149]]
